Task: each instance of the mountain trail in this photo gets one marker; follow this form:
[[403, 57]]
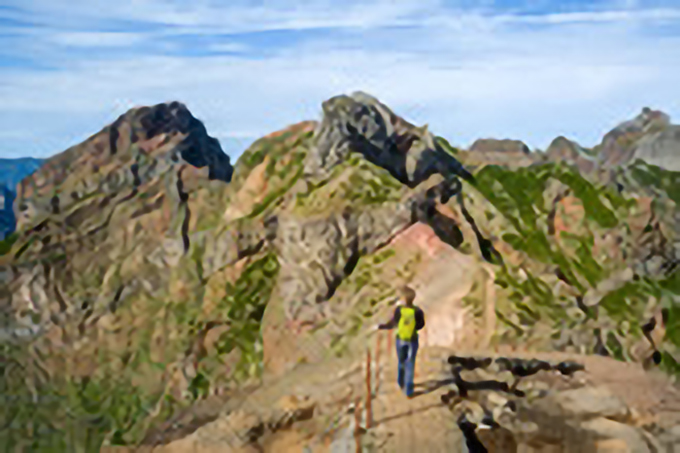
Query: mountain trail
[[312, 408]]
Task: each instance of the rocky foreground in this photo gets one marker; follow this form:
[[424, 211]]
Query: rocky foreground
[[607, 406]]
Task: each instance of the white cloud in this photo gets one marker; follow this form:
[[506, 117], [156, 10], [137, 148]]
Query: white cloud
[[95, 39], [593, 17], [232, 17], [465, 73]]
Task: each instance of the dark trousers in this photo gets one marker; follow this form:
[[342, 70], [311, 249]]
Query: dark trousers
[[406, 354]]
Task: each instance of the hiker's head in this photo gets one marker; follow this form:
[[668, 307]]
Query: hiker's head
[[408, 294]]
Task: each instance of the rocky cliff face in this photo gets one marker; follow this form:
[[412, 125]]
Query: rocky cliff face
[[507, 153], [143, 255], [361, 124], [564, 150], [140, 145], [617, 145], [660, 148]]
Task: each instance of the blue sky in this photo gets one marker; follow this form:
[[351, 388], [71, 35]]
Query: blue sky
[[530, 70]]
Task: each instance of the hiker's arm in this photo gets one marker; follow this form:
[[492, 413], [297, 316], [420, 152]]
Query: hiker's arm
[[392, 322], [420, 319]]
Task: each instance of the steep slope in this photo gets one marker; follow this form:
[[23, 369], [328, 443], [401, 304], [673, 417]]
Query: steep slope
[[92, 264], [564, 150], [158, 284], [139, 145], [660, 148], [617, 146]]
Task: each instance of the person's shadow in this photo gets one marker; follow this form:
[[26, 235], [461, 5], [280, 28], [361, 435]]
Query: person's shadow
[[464, 386]]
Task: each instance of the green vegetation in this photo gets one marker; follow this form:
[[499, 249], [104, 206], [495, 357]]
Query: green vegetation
[[354, 181], [446, 146], [66, 413], [291, 172], [7, 244], [244, 307], [370, 185], [275, 148], [528, 295], [368, 292], [127, 392]]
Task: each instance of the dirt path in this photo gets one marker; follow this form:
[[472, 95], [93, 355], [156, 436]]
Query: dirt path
[[425, 424], [399, 422], [422, 423]]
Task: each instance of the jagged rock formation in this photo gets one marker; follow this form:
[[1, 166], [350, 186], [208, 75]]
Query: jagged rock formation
[[617, 145], [564, 150], [108, 197], [139, 146], [508, 153], [499, 146], [360, 123], [660, 148]]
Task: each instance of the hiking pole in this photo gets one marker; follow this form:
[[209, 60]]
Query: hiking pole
[[357, 424], [369, 390], [389, 344], [378, 366]]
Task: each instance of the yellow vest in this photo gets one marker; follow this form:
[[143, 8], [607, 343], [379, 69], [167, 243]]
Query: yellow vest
[[407, 323]]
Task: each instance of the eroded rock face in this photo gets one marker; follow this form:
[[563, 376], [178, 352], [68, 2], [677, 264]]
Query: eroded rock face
[[488, 145], [507, 153], [660, 148], [103, 222], [316, 255], [617, 145], [564, 150], [139, 146], [360, 123]]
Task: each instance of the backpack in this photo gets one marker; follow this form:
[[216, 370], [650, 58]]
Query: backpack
[[407, 323]]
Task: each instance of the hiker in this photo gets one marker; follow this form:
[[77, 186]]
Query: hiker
[[408, 319]]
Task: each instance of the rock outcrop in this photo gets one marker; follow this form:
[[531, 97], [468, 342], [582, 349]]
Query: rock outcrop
[[660, 148], [139, 146], [318, 251], [360, 123], [617, 146], [564, 150], [488, 145]]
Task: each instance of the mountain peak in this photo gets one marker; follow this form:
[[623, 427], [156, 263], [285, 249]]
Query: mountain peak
[[143, 124], [507, 145], [617, 145], [140, 144], [361, 123]]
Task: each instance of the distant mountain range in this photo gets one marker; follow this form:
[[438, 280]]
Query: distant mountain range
[[12, 171]]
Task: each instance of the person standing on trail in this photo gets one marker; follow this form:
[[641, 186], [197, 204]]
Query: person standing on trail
[[408, 319]]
